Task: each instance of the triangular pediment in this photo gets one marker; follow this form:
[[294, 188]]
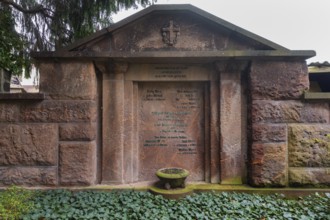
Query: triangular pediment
[[173, 28]]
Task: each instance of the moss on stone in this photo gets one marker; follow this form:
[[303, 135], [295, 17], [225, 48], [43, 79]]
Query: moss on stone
[[172, 173], [233, 180]]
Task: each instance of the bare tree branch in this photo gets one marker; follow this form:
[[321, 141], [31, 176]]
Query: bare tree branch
[[36, 9]]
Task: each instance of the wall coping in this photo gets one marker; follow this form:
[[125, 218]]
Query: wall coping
[[319, 96], [22, 96], [180, 56]]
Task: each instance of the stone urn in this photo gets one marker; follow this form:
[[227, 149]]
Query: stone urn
[[172, 178]]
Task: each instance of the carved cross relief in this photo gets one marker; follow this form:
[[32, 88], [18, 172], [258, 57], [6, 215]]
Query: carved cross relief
[[170, 33]]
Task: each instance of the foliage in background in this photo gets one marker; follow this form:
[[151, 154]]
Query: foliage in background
[[13, 56], [15, 202], [44, 25], [62, 204]]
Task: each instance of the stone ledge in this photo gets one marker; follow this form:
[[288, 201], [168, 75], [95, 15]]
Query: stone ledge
[[309, 177], [324, 96], [22, 96]]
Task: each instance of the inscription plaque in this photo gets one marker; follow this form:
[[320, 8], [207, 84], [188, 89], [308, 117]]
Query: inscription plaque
[[171, 128]]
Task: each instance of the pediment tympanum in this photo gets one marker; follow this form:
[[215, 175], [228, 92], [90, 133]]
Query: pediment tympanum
[[181, 28]]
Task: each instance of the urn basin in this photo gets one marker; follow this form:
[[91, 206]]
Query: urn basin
[[172, 177]]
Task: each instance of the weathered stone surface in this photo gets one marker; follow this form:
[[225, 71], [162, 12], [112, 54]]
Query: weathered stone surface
[[268, 133], [113, 126], [78, 131], [31, 144], [289, 112], [278, 80], [196, 35], [164, 72], [231, 128], [309, 145], [29, 176], [22, 96], [309, 177], [77, 163], [9, 112], [68, 80], [59, 111], [268, 164], [171, 118]]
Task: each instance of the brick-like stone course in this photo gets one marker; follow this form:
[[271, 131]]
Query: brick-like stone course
[[68, 80], [280, 117], [9, 112], [78, 132], [309, 177], [278, 80], [268, 133], [77, 163], [309, 145], [268, 164], [28, 176], [59, 111], [289, 112], [28, 144], [31, 131]]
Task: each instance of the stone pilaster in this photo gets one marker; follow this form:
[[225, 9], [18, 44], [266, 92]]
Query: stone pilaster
[[232, 122], [113, 122]]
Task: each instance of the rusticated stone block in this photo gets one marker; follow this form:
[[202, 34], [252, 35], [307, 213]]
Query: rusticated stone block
[[28, 176], [9, 112], [309, 177], [268, 133], [59, 111], [309, 145], [268, 164], [31, 144], [289, 112], [78, 132], [68, 80], [77, 163], [278, 80]]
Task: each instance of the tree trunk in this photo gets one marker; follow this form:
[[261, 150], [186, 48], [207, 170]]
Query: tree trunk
[[4, 80]]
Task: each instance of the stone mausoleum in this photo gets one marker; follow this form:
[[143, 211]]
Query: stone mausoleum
[[171, 86]]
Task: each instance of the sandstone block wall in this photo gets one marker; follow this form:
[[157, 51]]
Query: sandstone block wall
[[54, 141], [290, 137]]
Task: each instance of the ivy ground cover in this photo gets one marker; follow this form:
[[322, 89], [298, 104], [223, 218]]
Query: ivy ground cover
[[63, 204]]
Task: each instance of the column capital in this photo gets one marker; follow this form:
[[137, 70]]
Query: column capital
[[111, 67], [231, 66]]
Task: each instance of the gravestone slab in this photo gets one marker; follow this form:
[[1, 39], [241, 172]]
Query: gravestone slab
[[171, 128]]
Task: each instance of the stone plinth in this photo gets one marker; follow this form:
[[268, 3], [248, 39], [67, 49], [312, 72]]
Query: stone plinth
[[309, 177], [28, 176]]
